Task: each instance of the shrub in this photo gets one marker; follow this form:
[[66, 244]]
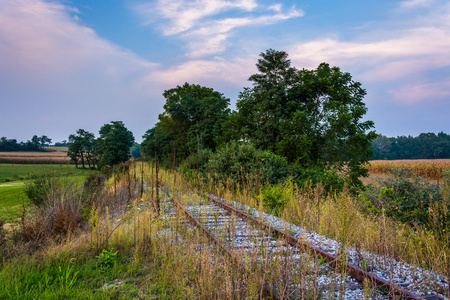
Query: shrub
[[275, 197], [60, 203], [39, 189], [243, 163], [409, 200]]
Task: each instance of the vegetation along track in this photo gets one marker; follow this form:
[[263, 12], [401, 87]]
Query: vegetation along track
[[294, 266]]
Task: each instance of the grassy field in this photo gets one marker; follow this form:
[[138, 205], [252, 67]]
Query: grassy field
[[17, 172], [12, 201], [12, 183]]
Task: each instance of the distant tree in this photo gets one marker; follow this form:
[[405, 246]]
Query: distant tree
[[45, 140], [9, 145], [63, 143], [82, 148], [381, 146], [424, 146], [114, 143], [135, 151], [33, 145]]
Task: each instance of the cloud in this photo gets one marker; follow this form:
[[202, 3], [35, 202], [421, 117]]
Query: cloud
[[389, 53], [206, 25], [183, 15], [54, 68], [416, 3], [417, 93], [212, 37], [218, 71]]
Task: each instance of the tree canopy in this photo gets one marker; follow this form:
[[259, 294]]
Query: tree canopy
[[114, 143], [424, 146], [311, 117], [192, 121]]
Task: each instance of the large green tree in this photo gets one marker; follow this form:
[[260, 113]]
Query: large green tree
[[192, 121], [114, 143], [311, 117]]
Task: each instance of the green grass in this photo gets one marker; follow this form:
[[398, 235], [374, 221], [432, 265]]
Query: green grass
[[12, 201], [18, 172], [12, 184]]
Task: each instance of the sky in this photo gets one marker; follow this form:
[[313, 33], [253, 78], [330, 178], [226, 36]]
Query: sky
[[71, 64]]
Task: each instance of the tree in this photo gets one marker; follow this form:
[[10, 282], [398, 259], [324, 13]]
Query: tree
[[311, 117], [263, 108], [82, 148], [135, 151], [114, 143], [45, 140], [381, 146], [192, 121]]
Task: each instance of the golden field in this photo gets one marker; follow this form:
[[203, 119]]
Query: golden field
[[428, 168], [53, 157]]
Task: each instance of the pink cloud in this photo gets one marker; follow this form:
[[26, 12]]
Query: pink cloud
[[424, 92]]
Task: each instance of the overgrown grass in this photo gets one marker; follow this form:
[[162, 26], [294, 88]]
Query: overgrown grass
[[13, 178], [164, 258]]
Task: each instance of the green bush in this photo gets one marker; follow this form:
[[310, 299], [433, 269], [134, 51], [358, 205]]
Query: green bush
[[243, 163], [40, 189], [412, 200], [275, 197]]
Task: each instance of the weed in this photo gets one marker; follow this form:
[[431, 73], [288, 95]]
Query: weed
[[107, 258]]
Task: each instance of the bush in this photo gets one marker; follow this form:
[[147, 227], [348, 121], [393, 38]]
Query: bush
[[313, 176], [60, 202], [409, 200], [39, 190], [275, 197], [243, 163]]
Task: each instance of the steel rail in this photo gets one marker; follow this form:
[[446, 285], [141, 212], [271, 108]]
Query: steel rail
[[354, 271], [217, 242]]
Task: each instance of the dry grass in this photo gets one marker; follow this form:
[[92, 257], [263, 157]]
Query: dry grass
[[176, 259], [34, 158], [427, 168]]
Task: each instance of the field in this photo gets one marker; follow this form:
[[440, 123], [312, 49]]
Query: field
[[51, 157], [426, 168], [12, 182], [12, 201]]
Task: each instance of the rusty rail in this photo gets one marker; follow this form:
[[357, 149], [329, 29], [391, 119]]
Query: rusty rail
[[217, 242], [354, 271]]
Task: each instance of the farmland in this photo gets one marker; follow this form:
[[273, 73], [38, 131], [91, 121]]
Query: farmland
[[426, 168], [51, 157], [13, 178]]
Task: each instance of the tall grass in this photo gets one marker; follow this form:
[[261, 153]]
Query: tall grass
[[162, 257]]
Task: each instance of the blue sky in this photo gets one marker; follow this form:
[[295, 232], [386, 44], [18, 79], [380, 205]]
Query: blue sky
[[70, 64]]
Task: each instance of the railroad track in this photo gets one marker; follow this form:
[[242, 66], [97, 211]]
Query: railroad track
[[295, 269]]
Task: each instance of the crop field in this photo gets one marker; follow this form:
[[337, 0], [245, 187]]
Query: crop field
[[427, 168], [53, 157]]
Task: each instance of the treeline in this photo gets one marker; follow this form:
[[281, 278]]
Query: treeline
[[300, 124], [36, 144], [424, 146]]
